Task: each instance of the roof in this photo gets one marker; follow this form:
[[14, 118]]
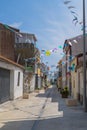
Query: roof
[[9, 27], [10, 61], [76, 45]]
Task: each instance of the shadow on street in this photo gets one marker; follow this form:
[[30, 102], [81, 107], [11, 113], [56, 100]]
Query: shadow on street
[[69, 118]]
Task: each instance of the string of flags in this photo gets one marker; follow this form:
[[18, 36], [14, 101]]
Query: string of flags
[[70, 68], [70, 7], [56, 50], [49, 52], [75, 21], [74, 13]]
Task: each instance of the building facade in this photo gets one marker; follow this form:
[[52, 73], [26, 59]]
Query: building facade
[[73, 49], [7, 41], [26, 55], [11, 80]]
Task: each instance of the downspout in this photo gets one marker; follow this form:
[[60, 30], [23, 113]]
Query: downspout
[[70, 87]]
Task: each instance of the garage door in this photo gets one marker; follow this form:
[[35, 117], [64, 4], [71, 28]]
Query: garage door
[[4, 85]]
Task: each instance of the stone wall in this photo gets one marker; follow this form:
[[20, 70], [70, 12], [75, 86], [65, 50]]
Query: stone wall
[[27, 79]]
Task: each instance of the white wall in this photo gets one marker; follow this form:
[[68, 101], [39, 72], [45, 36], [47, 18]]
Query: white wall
[[15, 91], [18, 90], [7, 65]]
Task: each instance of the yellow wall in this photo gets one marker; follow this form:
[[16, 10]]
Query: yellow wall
[[38, 72]]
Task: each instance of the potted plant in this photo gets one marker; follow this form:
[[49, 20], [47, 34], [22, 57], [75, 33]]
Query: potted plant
[[64, 92]]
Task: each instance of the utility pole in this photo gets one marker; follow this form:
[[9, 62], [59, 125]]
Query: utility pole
[[84, 60]]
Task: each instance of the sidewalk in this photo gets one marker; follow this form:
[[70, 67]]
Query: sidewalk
[[21, 109]]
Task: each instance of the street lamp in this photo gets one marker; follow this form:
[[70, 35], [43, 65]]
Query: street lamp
[[84, 60]]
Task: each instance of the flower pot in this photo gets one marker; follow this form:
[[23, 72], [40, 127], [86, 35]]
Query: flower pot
[[64, 96]]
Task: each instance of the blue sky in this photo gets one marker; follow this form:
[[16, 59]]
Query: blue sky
[[49, 20]]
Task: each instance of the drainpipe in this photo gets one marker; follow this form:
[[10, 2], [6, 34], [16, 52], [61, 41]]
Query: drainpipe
[[84, 60], [70, 87], [66, 68]]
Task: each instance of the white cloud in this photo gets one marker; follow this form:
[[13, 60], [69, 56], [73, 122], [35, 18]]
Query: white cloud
[[16, 24]]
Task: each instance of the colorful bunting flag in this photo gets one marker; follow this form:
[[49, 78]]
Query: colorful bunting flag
[[60, 47], [50, 50], [42, 50], [75, 18], [63, 63], [67, 2], [54, 50], [73, 12], [71, 7], [42, 55], [48, 53], [70, 58]]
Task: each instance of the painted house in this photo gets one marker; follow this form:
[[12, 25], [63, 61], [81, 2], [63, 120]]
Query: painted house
[[74, 79], [73, 49], [79, 77], [26, 54], [11, 80]]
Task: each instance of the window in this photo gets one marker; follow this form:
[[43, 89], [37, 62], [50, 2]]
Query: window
[[18, 82]]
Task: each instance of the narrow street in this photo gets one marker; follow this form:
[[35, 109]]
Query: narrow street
[[42, 111], [43, 65]]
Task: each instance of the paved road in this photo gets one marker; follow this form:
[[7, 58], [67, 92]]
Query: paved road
[[42, 111]]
